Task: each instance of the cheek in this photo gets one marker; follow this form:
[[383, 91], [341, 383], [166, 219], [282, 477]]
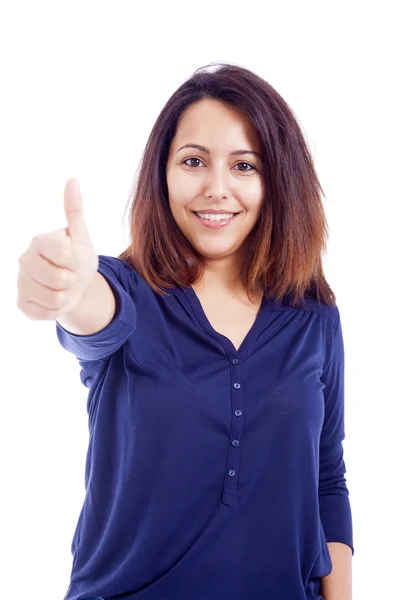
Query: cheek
[[178, 204], [251, 193], [179, 189], [178, 201], [181, 195], [175, 195], [256, 190], [252, 203]]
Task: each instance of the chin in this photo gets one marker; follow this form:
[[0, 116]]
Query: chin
[[215, 253]]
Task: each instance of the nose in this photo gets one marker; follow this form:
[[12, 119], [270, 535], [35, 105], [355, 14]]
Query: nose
[[217, 183]]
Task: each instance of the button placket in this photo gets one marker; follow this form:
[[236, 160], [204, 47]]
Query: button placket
[[236, 432]]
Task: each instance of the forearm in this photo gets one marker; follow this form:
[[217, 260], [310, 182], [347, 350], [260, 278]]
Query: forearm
[[95, 310], [338, 584]]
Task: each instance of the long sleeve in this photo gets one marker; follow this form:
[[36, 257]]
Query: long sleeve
[[102, 344], [93, 351], [334, 503]]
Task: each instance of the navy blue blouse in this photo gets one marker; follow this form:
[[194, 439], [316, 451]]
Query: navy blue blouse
[[211, 473]]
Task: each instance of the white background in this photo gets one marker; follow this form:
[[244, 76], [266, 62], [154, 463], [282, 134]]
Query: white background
[[81, 86]]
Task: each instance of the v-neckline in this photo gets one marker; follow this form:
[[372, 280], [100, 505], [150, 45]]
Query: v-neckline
[[258, 325]]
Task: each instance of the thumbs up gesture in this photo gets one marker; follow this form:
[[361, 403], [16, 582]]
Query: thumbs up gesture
[[57, 267]]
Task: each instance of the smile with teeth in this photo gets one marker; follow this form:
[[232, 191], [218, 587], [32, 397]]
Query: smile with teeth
[[214, 217]]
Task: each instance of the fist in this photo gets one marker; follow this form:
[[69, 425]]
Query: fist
[[57, 267]]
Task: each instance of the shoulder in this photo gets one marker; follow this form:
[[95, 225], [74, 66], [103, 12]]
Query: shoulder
[[121, 272], [330, 314], [115, 268]]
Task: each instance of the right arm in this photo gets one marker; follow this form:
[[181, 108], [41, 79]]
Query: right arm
[[90, 296], [96, 309]]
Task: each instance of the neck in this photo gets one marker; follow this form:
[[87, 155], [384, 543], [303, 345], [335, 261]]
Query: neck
[[221, 274], [222, 277]]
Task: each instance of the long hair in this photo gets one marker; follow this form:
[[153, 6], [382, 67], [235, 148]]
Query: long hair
[[285, 247]]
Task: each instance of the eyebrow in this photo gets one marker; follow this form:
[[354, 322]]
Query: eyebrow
[[204, 149]]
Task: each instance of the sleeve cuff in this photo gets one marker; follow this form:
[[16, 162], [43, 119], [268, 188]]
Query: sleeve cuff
[[336, 518], [105, 342]]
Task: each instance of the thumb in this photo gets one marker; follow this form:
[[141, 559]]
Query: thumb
[[74, 212]]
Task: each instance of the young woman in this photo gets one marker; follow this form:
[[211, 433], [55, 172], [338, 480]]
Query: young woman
[[213, 353]]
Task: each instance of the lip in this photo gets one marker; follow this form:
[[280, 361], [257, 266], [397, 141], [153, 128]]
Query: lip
[[215, 224]]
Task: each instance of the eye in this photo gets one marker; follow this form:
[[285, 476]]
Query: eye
[[248, 164], [192, 158], [252, 168]]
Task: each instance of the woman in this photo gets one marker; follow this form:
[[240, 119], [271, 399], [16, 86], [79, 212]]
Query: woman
[[216, 389]]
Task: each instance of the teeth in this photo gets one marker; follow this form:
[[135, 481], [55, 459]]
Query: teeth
[[211, 217]]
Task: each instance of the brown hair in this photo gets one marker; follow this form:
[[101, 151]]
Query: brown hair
[[285, 246]]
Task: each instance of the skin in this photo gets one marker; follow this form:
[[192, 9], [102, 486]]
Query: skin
[[218, 181]]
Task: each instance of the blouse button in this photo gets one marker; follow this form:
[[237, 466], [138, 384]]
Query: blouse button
[[235, 361], [236, 386], [235, 442], [238, 412], [231, 472]]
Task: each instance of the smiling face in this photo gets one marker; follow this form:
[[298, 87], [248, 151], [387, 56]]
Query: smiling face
[[213, 178]]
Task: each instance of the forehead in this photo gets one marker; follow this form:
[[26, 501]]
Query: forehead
[[212, 122]]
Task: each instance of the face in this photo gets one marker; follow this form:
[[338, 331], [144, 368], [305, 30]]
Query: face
[[212, 178]]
